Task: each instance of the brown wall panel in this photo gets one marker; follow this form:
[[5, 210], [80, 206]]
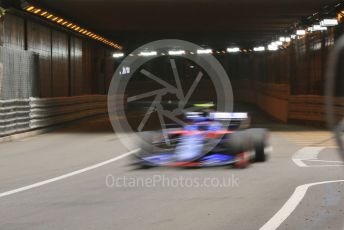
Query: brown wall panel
[[39, 41], [60, 64], [14, 32], [76, 66], [109, 71], [67, 64], [87, 62]]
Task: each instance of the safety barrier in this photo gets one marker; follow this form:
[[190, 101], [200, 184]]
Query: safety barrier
[[27, 114], [271, 98], [312, 108], [14, 116], [275, 100]]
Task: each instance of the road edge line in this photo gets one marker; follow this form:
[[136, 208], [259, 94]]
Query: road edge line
[[65, 176]]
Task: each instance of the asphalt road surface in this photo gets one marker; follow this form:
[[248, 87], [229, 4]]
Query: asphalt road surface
[[116, 195]]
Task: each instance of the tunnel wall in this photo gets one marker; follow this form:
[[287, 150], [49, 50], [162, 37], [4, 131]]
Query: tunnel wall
[[67, 63], [288, 84]]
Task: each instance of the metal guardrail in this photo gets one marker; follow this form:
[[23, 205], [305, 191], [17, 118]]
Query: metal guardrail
[[14, 116], [22, 115]]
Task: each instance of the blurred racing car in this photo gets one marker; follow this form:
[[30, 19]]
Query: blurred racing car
[[208, 139]]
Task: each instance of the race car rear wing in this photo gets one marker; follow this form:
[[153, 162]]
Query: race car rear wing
[[233, 120], [220, 116]]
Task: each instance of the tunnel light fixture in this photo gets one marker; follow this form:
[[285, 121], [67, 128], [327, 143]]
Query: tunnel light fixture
[[318, 28], [301, 32], [278, 43], [282, 39], [293, 36], [329, 22], [259, 49], [233, 50], [272, 47], [287, 39], [148, 53], [67, 24], [205, 51], [117, 55], [176, 52]]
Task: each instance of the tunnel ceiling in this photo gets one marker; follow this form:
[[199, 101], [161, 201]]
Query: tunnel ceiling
[[217, 23]]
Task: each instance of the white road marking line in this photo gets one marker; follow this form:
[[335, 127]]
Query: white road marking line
[[41, 183], [291, 205], [306, 153], [319, 166], [338, 162]]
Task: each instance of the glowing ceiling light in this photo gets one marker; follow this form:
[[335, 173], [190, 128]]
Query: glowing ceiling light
[[287, 39], [148, 53], [272, 47], [205, 51], [176, 52], [301, 32], [318, 28], [118, 55], [30, 8], [279, 43], [233, 50], [329, 22], [67, 24], [259, 49], [282, 39]]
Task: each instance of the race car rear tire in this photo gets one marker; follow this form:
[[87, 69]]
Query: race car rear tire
[[260, 138], [238, 142]]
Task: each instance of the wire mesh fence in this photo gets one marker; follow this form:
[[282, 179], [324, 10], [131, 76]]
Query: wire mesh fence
[[18, 74]]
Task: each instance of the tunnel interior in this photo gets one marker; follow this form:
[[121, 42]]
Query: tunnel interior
[[66, 51]]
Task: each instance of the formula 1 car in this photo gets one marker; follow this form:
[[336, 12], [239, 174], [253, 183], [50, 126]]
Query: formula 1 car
[[214, 139]]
